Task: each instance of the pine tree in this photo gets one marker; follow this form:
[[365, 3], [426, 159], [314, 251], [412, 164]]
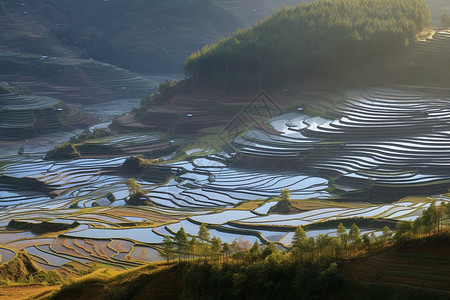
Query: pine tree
[[355, 235], [168, 249], [255, 251], [203, 233], [216, 246], [342, 234], [181, 240]]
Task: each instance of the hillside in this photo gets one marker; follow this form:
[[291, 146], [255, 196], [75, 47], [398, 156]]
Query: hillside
[[423, 264], [275, 277], [133, 34], [323, 39], [71, 79], [144, 36]]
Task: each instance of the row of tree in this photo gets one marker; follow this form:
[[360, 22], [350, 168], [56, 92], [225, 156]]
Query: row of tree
[[204, 246], [434, 220], [310, 39], [346, 243]]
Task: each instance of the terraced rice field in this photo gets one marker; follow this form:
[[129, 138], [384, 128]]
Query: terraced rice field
[[26, 115], [62, 77], [200, 185], [368, 149], [381, 137]]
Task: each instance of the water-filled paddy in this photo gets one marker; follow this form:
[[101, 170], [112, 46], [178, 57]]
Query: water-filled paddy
[[143, 235], [379, 137]]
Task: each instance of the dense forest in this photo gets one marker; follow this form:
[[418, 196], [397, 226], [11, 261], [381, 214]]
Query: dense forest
[[310, 39]]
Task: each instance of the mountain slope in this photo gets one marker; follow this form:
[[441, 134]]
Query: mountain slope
[[145, 36]]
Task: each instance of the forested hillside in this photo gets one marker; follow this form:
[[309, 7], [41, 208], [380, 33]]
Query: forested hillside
[[311, 39]]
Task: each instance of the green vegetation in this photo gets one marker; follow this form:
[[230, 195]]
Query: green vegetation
[[182, 247], [137, 164], [312, 268], [283, 206], [41, 227], [5, 88], [21, 269], [137, 195], [308, 271], [21, 151], [311, 39], [445, 20], [88, 134], [62, 152], [164, 92], [434, 220]]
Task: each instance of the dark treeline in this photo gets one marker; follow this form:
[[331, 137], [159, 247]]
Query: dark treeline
[[310, 40], [309, 270], [202, 267], [348, 243]]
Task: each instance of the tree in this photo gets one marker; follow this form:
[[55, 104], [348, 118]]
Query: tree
[[366, 239], [284, 205], [168, 249], [193, 246], [137, 195], [203, 233], [181, 240], [386, 233], [133, 186], [404, 230], [216, 246], [324, 245], [431, 218], [255, 251], [239, 245], [355, 235], [299, 241], [342, 234], [445, 20], [299, 236], [310, 247], [226, 249], [285, 195]]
